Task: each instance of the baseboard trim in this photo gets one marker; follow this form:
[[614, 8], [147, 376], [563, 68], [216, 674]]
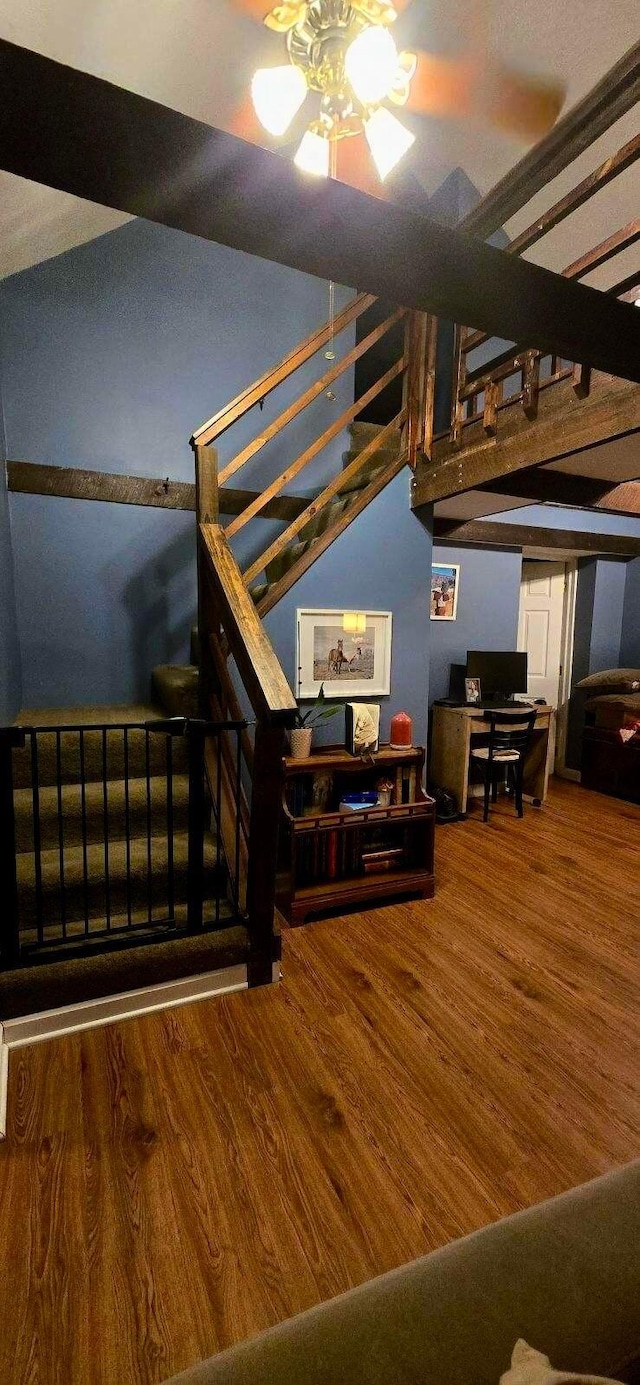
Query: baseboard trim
[[91, 1014], [573, 774]]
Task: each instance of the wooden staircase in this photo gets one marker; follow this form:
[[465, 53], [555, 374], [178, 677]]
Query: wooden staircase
[[238, 665], [374, 458]]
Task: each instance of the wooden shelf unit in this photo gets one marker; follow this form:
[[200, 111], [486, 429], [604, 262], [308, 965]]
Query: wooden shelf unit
[[328, 858]]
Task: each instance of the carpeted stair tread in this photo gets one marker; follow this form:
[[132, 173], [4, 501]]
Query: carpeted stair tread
[[88, 716], [138, 886], [101, 752], [47, 986], [119, 804]]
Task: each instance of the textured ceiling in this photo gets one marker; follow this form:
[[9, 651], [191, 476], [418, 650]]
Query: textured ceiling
[[198, 55]]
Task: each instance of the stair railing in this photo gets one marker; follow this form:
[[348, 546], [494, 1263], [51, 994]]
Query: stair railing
[[250, 795], [231, 629], [407, 425]]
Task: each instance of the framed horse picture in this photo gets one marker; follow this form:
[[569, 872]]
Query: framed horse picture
[[347, 651]]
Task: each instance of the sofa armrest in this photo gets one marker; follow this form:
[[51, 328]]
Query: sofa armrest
[[564, 1275]]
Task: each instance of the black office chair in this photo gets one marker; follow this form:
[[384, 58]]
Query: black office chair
[[504, 751]]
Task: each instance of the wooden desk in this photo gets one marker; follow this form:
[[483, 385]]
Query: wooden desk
[[452, 732]]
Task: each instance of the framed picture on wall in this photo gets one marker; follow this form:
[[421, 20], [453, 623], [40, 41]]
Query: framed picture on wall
[[445, 581], [348, 651]]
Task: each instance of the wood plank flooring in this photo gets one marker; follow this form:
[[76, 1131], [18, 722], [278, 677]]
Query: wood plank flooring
[[173, 1184]]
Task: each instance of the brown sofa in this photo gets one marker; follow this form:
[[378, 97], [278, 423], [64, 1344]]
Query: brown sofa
[[564, 1275]]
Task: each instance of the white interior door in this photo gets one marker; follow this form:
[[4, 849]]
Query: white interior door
[[540, 626]]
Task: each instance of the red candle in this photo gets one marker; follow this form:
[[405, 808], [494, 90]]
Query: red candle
[[401, 731]]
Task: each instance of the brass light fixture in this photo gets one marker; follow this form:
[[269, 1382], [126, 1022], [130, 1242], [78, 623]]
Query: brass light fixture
[[343, 50]]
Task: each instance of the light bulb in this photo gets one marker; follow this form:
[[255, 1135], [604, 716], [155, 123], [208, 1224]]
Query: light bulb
[[371, 63], [277, 94], [313, 154], [354, 622], [388, 140]]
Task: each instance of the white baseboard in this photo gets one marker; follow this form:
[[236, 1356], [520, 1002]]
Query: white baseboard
[[90, 1014], [93, 1014], [573, 774]]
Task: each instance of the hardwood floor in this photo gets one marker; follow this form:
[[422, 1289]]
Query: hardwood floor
[[173, 1184]]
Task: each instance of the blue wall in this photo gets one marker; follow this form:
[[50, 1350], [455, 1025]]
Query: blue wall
[[111, 355], [10, 681], [487, 614], [630, 642], [381, 563]]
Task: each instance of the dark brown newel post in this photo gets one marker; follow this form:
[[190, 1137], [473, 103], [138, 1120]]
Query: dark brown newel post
[[263, 836], [206, 460]]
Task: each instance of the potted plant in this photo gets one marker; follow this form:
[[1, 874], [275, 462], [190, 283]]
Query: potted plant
[[300, 735]]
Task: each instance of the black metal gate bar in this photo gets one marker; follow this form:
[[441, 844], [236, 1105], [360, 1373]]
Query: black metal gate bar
[[58, 933], [105, 808], [37, 840], [9, 937]]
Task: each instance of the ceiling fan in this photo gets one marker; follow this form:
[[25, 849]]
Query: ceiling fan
[[347, 53]]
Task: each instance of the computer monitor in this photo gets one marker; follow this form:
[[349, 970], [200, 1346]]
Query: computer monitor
[[501, 672]]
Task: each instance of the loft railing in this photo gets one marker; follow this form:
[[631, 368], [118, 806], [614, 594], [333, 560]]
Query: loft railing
[[518, 374]]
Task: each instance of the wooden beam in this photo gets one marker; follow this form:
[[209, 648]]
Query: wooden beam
[[606, 250], [75, 483], [594, 182], [496, 535], [564, 425], [591, 260], [615, 94], [563, 488], [76, 132]]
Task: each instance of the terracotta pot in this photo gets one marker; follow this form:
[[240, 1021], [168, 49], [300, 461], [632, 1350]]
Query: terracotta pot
[[300, 742]]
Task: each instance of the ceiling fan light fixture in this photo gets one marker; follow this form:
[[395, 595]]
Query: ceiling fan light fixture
[[277, 94], [313, 152], [388, 139], [371, 64]]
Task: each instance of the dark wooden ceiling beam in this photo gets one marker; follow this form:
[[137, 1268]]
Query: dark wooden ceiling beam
[[75, 132], [565, 488], [611, 98], [497, 535]]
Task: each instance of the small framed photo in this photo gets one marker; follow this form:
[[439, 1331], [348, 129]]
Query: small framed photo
[[472, 689], [347, 651], [445, 580]]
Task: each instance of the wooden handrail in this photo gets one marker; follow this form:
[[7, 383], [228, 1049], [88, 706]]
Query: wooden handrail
[[269, 693], [594, 182], [338, 426], [269, 381], [314, 391], [583, 124], [324, 498]]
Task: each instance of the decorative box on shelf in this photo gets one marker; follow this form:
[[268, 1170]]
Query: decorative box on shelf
[[330, 856]]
